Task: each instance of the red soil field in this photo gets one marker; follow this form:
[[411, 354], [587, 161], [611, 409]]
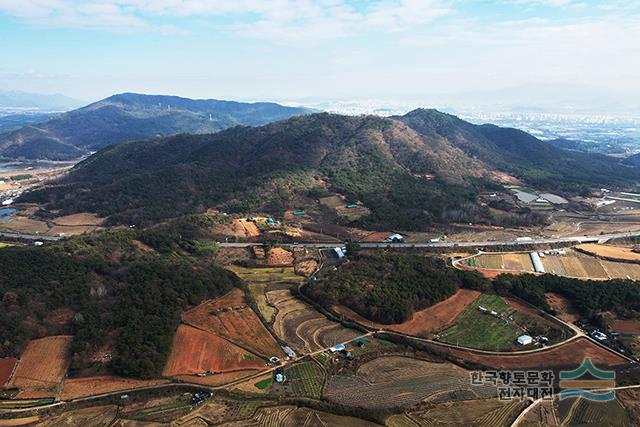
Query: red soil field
[[82, 387], [195, 351], [424, 321], [6, 369], [569, 355], [239, 325], [43, 363], [630, 327], [36, 394]]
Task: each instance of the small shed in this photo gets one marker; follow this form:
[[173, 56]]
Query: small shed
[[289, 351], [337, 348], [525, 340]]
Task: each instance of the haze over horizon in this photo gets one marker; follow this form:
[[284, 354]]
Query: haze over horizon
[[402, 51]]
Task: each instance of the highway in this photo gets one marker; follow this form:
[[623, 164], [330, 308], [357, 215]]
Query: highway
[[451, 244]]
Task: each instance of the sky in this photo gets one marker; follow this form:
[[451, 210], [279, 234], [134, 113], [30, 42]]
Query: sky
[[402, 50]]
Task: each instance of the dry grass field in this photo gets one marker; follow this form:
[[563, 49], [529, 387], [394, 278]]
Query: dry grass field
[[302, 327], [43, 363], [423, 322], [81, 387], [396, 381], [195, 351], [624, 253], [230, 318], [88, 417], [83, 218], [266, 274], [258, 292], [21, 224], [279, 257], [243, 228], [563, 307]]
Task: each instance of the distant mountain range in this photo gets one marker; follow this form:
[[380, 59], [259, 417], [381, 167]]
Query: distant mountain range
[[19, 101], [130, 116], [412, 171]]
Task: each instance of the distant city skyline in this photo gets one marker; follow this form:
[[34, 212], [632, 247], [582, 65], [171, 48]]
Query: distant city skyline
[[574, 53]]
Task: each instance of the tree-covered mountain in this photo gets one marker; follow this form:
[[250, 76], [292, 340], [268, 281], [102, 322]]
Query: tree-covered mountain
[[130, 116], [423, 168]]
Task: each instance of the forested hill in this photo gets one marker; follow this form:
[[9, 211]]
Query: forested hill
[[413, 171], [131, 116]]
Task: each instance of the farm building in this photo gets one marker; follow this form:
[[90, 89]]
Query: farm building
[[339, 252], [537, 262], [394, 238], [524, 340], [289, 352], [337, 348]]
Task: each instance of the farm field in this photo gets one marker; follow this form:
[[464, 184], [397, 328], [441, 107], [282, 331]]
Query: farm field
[[93, 416], [266, 274], [194, 351], [43, 363], [484, 413], [258, 292], [507, 261], [573, 264], [83, 218], [543, 415], [306, 379], [424, 322], [279, 257], [568, 355], [607, 251], [627, 327], [82, 387], [6, 369], [584, 412], [397, 381], [230, 318], [476, 329], [302, 327]]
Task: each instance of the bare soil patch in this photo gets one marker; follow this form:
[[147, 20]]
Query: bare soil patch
[[568, 355], [629, 327], [231, 318], [279, 257], [43, 363], [25, 225], [7, 365], [424, 321], [195, 351]]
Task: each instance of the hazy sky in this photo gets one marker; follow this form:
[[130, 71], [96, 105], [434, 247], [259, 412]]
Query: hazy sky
[[349, 49]]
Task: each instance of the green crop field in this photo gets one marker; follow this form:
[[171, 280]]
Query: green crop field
[[475, 329], [266, 274], [306, 379]]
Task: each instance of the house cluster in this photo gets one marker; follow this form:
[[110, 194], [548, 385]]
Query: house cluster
[[495, 314], [199, 397], [524, 340], [341, 352]]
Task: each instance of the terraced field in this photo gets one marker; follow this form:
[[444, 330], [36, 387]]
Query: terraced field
[[585, 412], [302, 327], [481, 413], [306, 379], [396, 381]]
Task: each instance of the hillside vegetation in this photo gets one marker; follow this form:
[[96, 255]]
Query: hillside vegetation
[[388, 288], [411, 172], [128, 117], [104, 290]]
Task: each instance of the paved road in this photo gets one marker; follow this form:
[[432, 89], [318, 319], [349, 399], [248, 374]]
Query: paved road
[[20, 236], [454, 244]]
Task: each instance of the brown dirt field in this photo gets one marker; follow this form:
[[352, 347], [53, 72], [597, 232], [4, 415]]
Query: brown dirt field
[[228, 256], [94, 416], [629, 327], [24, 225], [306, 267], [279, 257], [250, 387], [376, 237], [43, 363], [568, 355], [82, 387], [614, 252], [243, 228], [14, 422], [71, 230], [563, 307], [83, 218], [424, 321], [240, 325], [6, 369], [195, 351]]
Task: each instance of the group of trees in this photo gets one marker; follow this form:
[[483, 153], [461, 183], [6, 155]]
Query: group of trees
[[113, 289], [388, 288]]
